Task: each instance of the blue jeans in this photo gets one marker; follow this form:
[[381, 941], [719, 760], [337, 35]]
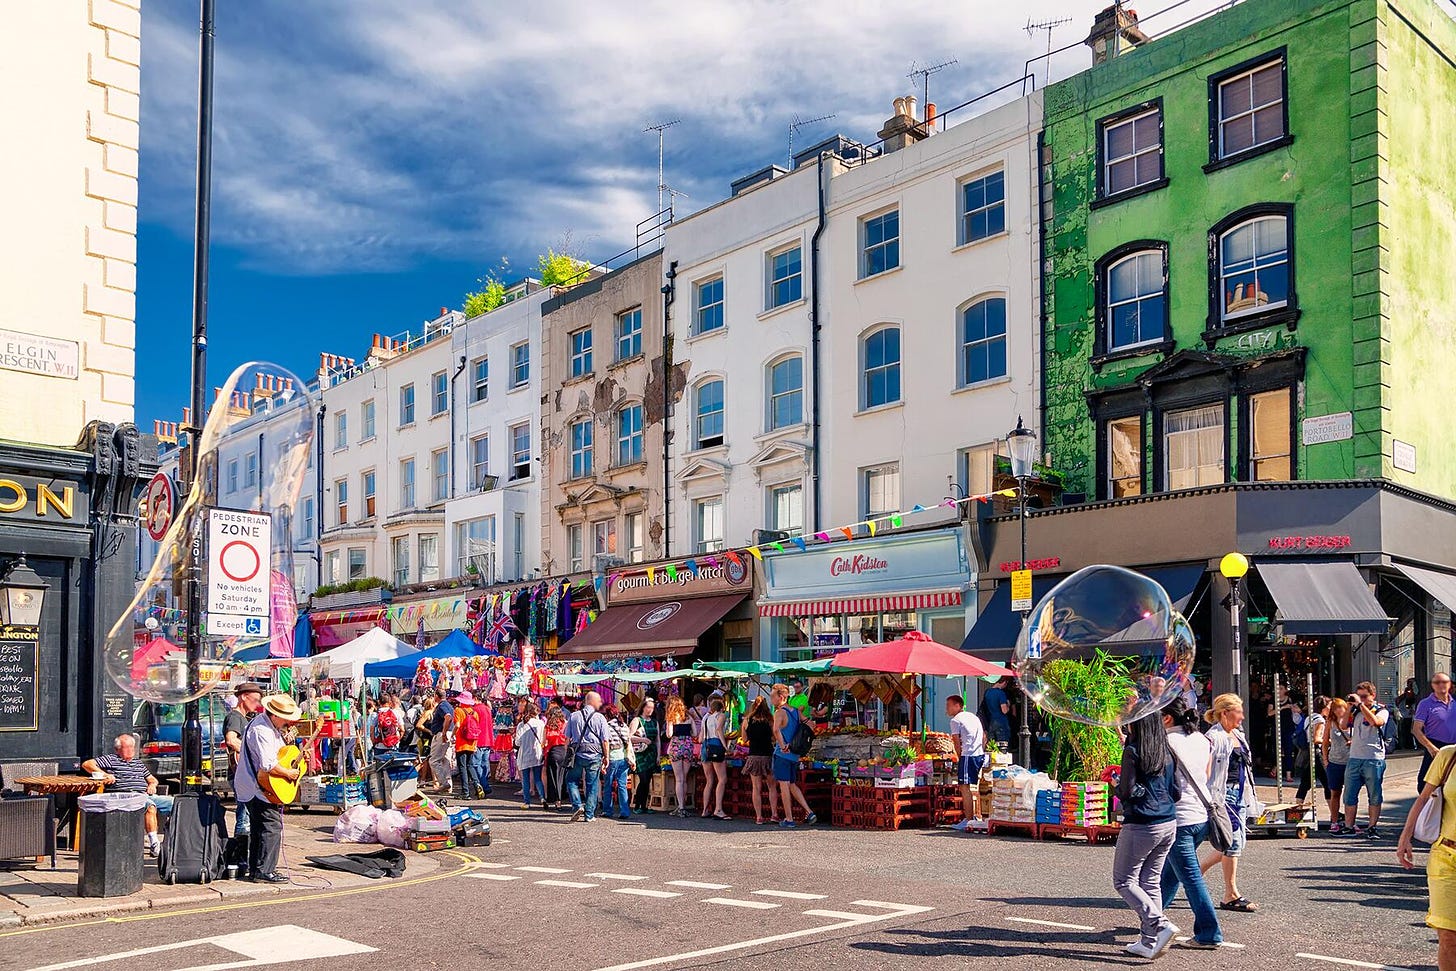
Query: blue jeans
[[241, 827], [1182, 867], [530, 777], [617, 784], [480, 763], [587, 775], [465, 770]]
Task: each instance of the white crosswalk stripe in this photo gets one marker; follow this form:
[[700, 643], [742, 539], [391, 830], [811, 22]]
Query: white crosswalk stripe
[[790, 895], [542, 869], [493, 876], [615, 876], [747, 904], [695, 885], [568, 884], [644, 892]]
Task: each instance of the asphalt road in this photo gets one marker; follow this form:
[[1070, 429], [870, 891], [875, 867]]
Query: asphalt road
[[692, 893]]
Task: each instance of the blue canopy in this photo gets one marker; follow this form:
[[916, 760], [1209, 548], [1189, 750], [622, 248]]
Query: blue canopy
[[455, 644], [302, 644]]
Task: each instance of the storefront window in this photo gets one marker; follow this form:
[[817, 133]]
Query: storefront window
[[1272, 443]]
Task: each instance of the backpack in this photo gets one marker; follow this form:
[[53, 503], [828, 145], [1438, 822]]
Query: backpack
[[470, 727], [803, 739], [1390, 731], [386, 728]]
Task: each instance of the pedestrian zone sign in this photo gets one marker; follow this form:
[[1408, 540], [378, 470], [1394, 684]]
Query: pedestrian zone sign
[[239, 569], [1020, 590]]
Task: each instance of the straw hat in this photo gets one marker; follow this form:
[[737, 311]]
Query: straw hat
[[282, 706]]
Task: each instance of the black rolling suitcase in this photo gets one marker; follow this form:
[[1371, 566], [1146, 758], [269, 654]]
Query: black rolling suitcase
[[196, 842]]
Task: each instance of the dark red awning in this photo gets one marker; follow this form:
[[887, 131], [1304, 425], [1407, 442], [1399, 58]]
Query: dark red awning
[[656, 629]]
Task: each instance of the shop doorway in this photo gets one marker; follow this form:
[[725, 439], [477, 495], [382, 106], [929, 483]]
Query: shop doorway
[[1280, 679]]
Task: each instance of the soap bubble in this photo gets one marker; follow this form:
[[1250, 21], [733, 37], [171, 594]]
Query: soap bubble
[[253, 459], [1104, 647]]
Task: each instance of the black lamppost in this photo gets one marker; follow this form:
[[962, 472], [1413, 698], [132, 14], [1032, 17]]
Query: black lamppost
[[1021, 442], [1234, 567]]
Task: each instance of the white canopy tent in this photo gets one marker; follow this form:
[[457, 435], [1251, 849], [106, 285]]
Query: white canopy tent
[[347, 661]]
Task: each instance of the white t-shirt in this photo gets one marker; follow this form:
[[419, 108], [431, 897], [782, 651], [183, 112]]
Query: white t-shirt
[[1194, 752], [967, 727]]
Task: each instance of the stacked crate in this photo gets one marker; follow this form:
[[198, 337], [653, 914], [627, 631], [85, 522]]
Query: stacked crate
[[945, 805], [1085, 804], [870, 807], [1049, 807]]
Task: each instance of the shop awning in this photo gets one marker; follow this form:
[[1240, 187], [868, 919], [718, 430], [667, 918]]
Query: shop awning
[[1442, 586], [657, 628], [1323, 598], [889, 603]]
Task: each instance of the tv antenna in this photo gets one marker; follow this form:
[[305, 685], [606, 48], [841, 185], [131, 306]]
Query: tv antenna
[[924, 73], [660, 129], [798, 123], [1048, 26]]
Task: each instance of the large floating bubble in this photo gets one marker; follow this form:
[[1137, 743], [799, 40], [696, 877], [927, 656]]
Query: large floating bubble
[[1104, 647], [253, 456]]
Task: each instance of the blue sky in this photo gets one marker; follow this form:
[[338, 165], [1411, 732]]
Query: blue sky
[[373, 158]]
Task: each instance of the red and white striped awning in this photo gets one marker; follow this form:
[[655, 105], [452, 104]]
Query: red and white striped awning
[[890, 603]]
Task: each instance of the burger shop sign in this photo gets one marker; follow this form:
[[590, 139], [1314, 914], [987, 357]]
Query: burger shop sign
[[635, 584]]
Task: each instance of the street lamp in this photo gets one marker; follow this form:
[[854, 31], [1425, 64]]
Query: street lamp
[[1021, 443], [22, 595], [1234, 566]]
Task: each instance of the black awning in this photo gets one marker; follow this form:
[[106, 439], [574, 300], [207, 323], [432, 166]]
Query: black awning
[[1442, 586], [1323, 598]]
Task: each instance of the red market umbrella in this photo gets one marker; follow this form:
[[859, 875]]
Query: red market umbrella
[[916, 653], [148, 654]]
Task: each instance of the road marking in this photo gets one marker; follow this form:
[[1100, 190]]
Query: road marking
[[1052, 923], [835, 914], [1237, 947], [542, 869], [266, 945], [491, 866], [1347, 962], [615, 876], [750, 904], [493, 876], [641, 892], [569, 884], [694, 885], [859, 921], [908, 908], [790, 895]]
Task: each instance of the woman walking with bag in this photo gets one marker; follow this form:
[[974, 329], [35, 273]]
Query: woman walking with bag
[[1233, 769], [1195, 811], [1148, 788], [1438, 827], [531, 752]]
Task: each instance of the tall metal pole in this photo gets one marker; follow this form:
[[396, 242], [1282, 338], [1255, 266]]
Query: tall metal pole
[[1024, 751], [192, 726], [1237, 643]]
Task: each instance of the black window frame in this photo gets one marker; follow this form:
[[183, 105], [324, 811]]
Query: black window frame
[[1216, 160], [1104, 198], [1285, 372], [1108, 406], [1102, 352], [1287, 315]]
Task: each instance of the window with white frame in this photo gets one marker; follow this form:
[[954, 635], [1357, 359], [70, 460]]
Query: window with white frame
[[880, 490], [1137, 308], [439, 393], [429, 557], [331, 570], [367, 488], [306, 520], [406, 405], [581, 449], [708, 305], [1271, 438], [480, 461], [475, 549], [708, 525], [341, 502], [880, 352], [604, 537], [480, 379], [636, 537], [575, 548], [983, 207], [399, 556], [358, 563], [629, 334], [629, 435], [520, 451], [1193, 447], [520, 365], [1253, 268], [341, 430], [708, 414], [440, 474], [785, 277], [366, 420], [581, 352], [1132, 151], [232, 475], [1250, 108], [250, 470], [786, 508], [786, 393], [1125, 457], [879, 243], [407, 484], [983, 341], [978, 467]]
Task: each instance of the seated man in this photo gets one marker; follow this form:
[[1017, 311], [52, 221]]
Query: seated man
[[126, 773]]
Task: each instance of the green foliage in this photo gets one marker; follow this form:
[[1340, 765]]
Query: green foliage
[[561, 269], [351, 586], [1080, 752], [492, 292]]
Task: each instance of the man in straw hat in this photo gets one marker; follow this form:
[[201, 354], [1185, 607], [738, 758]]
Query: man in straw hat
[[262, 742]]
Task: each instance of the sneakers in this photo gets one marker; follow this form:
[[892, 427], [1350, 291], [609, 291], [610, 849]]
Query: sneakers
[[964, 826], [1198, 945], [811, 820], [154, 844], [1373, 833], [787, 824], [979, 825], [1336, 828], [579, 815], [1165, 936], [1139, 949]]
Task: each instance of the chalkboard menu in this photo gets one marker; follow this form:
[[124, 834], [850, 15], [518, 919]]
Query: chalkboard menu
[[19, 710]]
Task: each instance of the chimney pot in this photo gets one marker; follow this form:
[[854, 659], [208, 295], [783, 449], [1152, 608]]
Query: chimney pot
[[444, 311], [910, 102], [929, 114], [899, 104]]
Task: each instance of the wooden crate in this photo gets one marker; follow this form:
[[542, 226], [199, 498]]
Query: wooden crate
[[1091, 834], [1001, 826]]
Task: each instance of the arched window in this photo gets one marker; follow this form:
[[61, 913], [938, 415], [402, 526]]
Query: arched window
[[629, 435], [983, 341], [880, 354], [1136, 300], [786, 393], [1253, 267], [708, 414]]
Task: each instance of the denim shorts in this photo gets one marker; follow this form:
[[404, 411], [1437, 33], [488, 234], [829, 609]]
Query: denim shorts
[[1368, 774], [1334, 777], [785, 770], [714, 751]]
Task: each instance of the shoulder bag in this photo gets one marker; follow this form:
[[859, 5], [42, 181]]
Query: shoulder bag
[[1428, 824], [1220, 827]]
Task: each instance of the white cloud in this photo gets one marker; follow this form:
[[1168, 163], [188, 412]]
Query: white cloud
[[373, 134]]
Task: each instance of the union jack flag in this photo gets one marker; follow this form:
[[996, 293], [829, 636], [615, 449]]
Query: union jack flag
[[500, 630]]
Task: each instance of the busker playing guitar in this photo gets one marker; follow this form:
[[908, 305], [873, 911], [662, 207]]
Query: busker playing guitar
[[263, 741]]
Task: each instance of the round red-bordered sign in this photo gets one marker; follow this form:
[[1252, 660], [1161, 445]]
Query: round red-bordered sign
[[234, 560], [161, 500]]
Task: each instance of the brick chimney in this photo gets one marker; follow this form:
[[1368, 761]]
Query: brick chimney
[[903, 129], [1114, 31]]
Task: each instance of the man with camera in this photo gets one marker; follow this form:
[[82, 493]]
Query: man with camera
[[1367, 757]]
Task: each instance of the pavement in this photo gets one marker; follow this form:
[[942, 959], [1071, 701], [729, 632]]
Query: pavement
[[657, 892]]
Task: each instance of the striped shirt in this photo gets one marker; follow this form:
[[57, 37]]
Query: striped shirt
[[131, 774]]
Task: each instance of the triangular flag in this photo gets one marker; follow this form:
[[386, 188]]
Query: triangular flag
[[871, 524], [734, 558], [847, 531], [691, 566], [754, 552], [896, 521], [672, 572], [712, 561], [778, 546], [822, 537], [651, 574], [918, 508], [612, 580], [1009, 493], [799, 542]]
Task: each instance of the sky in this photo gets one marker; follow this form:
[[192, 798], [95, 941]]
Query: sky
[[372, 159]]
